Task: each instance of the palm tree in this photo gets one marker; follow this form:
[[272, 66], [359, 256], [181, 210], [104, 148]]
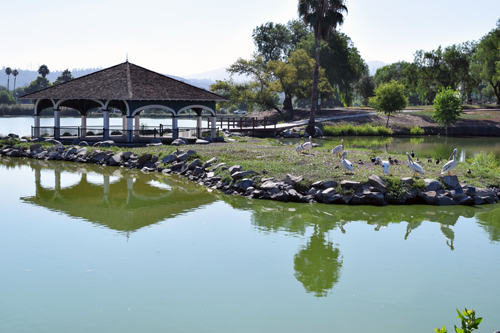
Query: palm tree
[[43, 71], [8, 71], [15, 73], [323, 16]]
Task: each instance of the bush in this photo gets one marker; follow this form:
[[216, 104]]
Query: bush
[[416, 130], [349, 129]]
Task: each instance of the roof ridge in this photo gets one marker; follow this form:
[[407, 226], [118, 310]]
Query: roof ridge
[[129, 82]]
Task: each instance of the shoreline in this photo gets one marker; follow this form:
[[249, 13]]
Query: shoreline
[[235, 180]]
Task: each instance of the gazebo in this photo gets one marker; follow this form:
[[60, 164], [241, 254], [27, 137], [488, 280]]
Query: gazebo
[[130, 89]]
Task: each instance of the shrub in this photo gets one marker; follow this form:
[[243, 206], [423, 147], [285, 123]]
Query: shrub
[[416, 130], [349, 129]]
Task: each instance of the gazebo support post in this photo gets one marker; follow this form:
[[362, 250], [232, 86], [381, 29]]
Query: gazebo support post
[[57, 124], [198, 125], [124, 125], [105, 115], [36, 132], [213, 126], [137, 125], [175, 128], [84, 126], [130, 129]]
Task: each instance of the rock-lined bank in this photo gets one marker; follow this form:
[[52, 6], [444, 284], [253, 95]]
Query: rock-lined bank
[[247, 183]]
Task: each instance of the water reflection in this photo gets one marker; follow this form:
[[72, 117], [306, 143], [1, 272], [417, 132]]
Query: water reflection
[[119, 199]]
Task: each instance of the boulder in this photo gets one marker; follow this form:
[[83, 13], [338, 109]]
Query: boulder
[[374, 198], [201, 142], [105, 144], [219, 139], [83, 144], [127, 155], [407, 180], [182, 157], [209, 139], [156, 141], [97, 157], [350, 184], [292, 180], [429, 197], [178, 142], [35, 146], [478, 200], [445, 201], [242, 174], [234, 168], [466, 200], [115, 159], [377, 182], [177, 166], [432, 185], [450, 181], [194, 164], [53, 141], [169, 159], [245, 183], [144, 158]]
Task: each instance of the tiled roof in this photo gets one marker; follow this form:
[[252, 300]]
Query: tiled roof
[[126, 81]]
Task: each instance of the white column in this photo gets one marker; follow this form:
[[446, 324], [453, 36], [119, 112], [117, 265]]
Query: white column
[[137, 125], [105, 115], [57, 124], [175, 128], [36, 131], [213, 126], [83, 127], [130, 128], [124, 125], [198, 126]]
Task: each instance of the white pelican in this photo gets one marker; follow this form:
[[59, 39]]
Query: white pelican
[[345, 163], [338, 149], [308, 145], [414, 166], [299, 148], [385, 165], [451, 164]]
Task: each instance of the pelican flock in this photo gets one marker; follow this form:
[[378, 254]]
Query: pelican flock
[[385, 165], [451, 164], [338, 149]]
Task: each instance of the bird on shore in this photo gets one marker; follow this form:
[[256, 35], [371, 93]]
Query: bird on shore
[[437, 160], [429, 160], [396, 161], [450, 165], [385, 165], [468, 171], [346, 163], [299, 148], [360, 162], [412, 154], [373, 159], [338, 149], [390, 160], [414, 166], [308, 145]]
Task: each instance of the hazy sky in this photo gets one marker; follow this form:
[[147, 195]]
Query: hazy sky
[[187, 37]]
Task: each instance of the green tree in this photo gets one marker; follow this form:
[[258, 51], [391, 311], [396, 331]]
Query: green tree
[[8, 71], [37, 84], [447, 107], [15, 72], [6, 98], [323, 16], [389, 99], [64, 77], [488, 59], [43, 71], [365, 87]]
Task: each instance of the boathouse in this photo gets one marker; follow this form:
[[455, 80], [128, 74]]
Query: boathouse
[[128, 89]]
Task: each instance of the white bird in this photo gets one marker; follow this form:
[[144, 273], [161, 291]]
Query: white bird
[[299, 148], [338, 149], [308, 145], [414, 166], [346, 163], [451, 164], [385, 165]]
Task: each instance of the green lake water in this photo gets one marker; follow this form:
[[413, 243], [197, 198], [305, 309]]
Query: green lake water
[[101, 249]]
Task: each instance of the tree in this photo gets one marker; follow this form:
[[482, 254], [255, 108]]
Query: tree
[[43, 71], [64, 77], [323, 16], [389, 98], [447, 107], [15, 73], [8, 71], [365, 87], [488, 58], [37, 84], [6, 98]]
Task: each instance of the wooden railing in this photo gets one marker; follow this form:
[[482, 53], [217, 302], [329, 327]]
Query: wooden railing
[[247, 122]]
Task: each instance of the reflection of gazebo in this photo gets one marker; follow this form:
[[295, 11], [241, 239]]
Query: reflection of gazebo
[[130, 89]]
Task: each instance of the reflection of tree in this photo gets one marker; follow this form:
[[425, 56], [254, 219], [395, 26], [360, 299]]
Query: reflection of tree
[[449, 234], [318, 265], [489, 219]]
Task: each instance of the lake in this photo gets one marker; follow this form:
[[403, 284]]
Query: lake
[[103, 249]]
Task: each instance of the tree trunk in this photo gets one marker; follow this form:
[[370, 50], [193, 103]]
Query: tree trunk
[[387, 124], [8, 79], [287, 105], [314, 94]]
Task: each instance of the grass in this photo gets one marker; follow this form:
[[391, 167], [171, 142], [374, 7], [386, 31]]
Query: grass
[[269, 158], [476, 115], [349, 129]]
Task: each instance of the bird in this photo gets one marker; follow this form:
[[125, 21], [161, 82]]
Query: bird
[[373, 159], [437, 160], [414, 166], [385, 165], [412, 154], [468, 171], [360, 162], [450, 165], [346, 163], [338, 149], [308, 145], [299, 148], [429, 160], [396, 161]]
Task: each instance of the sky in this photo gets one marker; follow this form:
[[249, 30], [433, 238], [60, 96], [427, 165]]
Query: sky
[[183, 38]]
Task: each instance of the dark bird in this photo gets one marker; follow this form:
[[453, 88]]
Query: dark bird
[[360, 162], [373, 159], [396, 161], [429, 160], [391, 160], [468, 171], [412, 154], [264, 171], [437, 160]]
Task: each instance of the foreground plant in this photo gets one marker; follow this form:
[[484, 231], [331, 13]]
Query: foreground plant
[[468, 320]]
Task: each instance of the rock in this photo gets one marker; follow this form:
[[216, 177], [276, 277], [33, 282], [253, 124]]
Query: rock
[[429, 197], [156, 141], [81, 152], [154, 144], [445, 201], [329, 183], [491, 199], [483, 192], [178, 142], [347, 198], [269, 185], [407, 180], [242, 174], [182, 157], [375, 198], [292, 180], [234, 168], [209, 139], [194, 164], [478, 200], [280, 196], [466, 200], [219, 139], [97, 157], [115, 159], [105, 144], [177, 166], [318, 184], [35, 146], [350, 184], [201, 142], [169, 159], [377, 182], [83, 144], [245, 183], [449, 181], [144, 158], [218, 166], [14, 136], [127, 155], [432, 185], [52, 141]]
